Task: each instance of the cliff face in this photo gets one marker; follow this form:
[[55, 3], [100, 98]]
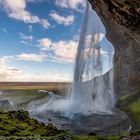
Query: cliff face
[[122, 22]]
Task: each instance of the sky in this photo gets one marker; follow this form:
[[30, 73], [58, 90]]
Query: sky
[[39, 39]]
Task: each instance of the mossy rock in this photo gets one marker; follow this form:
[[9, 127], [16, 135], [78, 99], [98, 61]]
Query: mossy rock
[[18, 123], [131, 105]]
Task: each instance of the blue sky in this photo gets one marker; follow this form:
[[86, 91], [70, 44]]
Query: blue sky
[[38, 39]]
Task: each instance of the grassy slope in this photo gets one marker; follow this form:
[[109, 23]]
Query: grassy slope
[[18, 123], [131, 105]]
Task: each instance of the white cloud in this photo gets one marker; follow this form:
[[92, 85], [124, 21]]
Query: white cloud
[[31, 57], [45, 43], [3, 29], [34, 1], [64, 51], [45, 23], [7, 72], [26, 37], [30, 28], [73, 4], [16, 9], [24, 42], [66, 20], [49, 76]]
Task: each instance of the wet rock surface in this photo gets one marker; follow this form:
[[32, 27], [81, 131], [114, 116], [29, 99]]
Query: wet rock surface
[[4, 105], [125, 12], [102, 124]]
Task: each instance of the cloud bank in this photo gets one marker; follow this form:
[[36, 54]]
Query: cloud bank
[[16, 9], [66, 20], [73, 4], [63, 51]]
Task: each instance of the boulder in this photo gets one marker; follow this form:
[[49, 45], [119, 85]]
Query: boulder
[[4, 105]]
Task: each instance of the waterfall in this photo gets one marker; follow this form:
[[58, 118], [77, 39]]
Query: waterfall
[[92, 90], [90, 106]]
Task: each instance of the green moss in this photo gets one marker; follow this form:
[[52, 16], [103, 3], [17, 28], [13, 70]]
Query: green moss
[[131, 105], [97, 138], [57, 137], [18, 123], [85, 138], [134, 108]]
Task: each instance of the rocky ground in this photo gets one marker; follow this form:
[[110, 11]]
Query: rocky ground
[[17, 125]]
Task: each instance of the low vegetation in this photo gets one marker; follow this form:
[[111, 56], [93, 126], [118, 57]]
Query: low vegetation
[[131, 105], [18, 125], [21, 98]]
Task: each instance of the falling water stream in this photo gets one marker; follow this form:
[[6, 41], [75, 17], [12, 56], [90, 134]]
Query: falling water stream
[[92, 92], [91, 104]]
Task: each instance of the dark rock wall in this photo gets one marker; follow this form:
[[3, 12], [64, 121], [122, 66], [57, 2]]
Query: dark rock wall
[[122, 22]]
